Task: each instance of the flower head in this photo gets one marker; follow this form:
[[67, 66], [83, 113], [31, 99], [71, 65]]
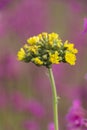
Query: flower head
[[76, 117], [47, 49]]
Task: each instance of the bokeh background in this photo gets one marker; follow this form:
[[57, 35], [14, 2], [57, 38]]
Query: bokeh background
[[25, 92]]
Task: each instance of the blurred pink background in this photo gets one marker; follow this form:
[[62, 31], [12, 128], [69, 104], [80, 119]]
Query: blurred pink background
[[25, 92]]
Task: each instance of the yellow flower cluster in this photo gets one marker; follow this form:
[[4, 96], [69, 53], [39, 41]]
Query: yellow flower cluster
[[47, 49], [70, 53], [54, 58]]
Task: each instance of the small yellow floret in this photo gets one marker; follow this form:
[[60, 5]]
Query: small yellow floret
[[21, 54], [33, 49], [26, 46], [70, 47], [37, 61], [74, 50], [67, 44], [44, 35], [59, 43], [40, 37], [54, 58], [33, 40], [52, 36], [51, 42], [70, 58]]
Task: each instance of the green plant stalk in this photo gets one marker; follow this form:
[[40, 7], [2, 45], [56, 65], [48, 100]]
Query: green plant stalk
[[55, 99]]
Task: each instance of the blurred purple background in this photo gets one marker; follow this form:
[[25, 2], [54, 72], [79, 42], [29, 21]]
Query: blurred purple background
[[25, 92]]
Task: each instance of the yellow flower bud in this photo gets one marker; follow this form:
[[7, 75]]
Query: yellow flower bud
[[54, 58], [37, 61], [70, 58], [33, 40], [21, 54]]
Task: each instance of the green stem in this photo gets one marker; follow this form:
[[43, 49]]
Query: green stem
[[55, 99]]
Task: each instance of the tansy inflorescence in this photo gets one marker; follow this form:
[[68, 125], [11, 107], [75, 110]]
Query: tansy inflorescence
[[47, 49]]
